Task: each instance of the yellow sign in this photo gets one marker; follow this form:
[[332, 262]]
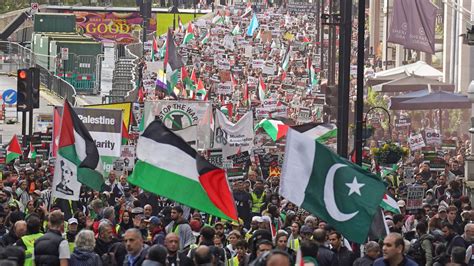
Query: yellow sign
[[288, 36], [125, 107]]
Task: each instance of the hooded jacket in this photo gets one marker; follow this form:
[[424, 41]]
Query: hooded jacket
[[84, 258]]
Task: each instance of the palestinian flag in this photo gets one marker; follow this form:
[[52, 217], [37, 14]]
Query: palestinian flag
[[262, 90], [77, 159], [236, 30], [218, 19], [206, 38], [286, 59], [193, 76], [14, 150], [274, 128], [201, 90], [306, 40], [32, 152], [125, 135], [154, 50], [185, 79], [189, 34], [173, 62], [320, 132], [162, 51], [179, 173], [389, 204], [180, 25]]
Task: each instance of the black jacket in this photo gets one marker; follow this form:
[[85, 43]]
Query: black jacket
[[47, 248], [364, 261], [344, 256], [326, 257], [8, 239], [102, 247], [138, 260]]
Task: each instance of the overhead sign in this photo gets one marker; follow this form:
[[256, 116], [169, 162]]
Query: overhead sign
[[9, 96]]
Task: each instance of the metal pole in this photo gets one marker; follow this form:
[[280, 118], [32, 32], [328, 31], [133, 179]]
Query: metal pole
[[360, 81], [23, 128], [345, 31], [386, 36], [30, 124]]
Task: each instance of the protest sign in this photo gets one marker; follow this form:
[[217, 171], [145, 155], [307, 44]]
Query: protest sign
[[128, 156], [224, 88], [416, 142], [415, 197], [403, 122], [304, 115], [432, 136]]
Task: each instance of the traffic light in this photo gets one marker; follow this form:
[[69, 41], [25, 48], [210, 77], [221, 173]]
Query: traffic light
[[23, 89], [332, 100], [35, 86]]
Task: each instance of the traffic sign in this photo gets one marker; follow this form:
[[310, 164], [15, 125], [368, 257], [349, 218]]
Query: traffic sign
[[64, 53], [9, 96]]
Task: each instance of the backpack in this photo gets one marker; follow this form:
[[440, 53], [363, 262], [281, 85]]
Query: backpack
[[417, 253]]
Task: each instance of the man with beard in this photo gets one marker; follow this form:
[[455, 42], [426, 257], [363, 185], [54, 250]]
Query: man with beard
[[440, 188], [180, 227], [105, 238], [242, 201], [425, 171]]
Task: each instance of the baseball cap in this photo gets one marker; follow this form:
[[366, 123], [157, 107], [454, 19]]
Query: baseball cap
[[257, 219], [441, 209], [401, 203], [137, 210], [153, 220], [72, 221]]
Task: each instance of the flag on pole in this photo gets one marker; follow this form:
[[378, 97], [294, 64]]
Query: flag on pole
[[179, 173], [330, 187], [201, 90], [253, 25], [193, 76], [189, 34], [262, 90], [180, 24], [162, 51], [186, 80], [77, 160], [246, 98], [172, 63], [32, 152], [125, 135], [236, 30], [206, 38], [389, 204], [154, 50], [274, 128], [13, 150], [286, 59]]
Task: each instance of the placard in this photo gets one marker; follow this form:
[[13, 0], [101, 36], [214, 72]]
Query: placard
[[415, 197], [403, 122], [304, 115], [416, 142], [128, 156], [432, 136], [224, 88]]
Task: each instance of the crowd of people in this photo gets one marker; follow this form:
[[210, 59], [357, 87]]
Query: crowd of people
[[125, 225]]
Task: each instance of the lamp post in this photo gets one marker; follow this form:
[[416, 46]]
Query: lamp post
[[174, 10], [469, 161]]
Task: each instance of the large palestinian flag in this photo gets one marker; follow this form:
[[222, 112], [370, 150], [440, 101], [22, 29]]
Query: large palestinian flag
[[77, 160], [179, 173]]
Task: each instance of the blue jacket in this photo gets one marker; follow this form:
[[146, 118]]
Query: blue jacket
[[406, 262]]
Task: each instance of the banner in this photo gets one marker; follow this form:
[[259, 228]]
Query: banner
[[105, 127], [413, 25], [416, 142], [190, 120], [125, 107], [233, 138], [112, 27]]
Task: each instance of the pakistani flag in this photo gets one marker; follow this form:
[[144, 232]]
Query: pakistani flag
[[32, 152], [330, 187], [77, 160], [179, 173], [14, 149], [189, 34], [236, 30]]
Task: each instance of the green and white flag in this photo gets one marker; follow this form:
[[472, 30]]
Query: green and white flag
[[189, 34], [330, 187], [236, 30], [32, 152]]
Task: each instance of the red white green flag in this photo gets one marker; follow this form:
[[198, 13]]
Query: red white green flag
[[32, 152], [77, 161], [14, 149]]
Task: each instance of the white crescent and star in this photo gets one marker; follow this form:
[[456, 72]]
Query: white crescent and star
[[329, 198]]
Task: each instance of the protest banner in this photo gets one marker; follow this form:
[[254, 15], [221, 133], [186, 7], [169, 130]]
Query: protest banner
[[128, 156], [188, 119], [233, 138]]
